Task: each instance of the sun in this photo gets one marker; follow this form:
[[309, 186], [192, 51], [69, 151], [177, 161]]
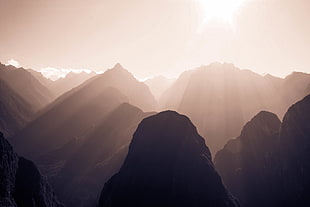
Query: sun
[[222, 10]]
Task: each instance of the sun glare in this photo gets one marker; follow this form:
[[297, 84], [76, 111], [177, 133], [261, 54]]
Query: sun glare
[[222, 10]]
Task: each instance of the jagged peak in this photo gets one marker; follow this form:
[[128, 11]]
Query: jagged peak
[[267, 122]]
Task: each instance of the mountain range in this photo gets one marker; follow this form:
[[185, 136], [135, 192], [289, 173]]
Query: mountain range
[[273, 157], [106, 129]]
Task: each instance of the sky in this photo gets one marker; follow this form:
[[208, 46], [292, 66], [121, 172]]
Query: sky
[[150, 37]]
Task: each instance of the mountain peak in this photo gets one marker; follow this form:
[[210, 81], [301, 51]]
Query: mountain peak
[[168, 164], [118, 66], [265, 122]]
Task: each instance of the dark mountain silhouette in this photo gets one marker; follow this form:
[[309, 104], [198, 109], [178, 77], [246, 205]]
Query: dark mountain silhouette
[[249, 164], [79, 181], [158, 85], [15, 112], [168, 164], [220, 98], [25, 85], [21, 184], [294, 147], [268, 165]]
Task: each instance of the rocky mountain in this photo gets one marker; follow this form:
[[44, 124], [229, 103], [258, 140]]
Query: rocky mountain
[[221, 98], [79, 181], [251, 160], [168, 164], [25, 85], [158, 85], [271, 156], [21, 184], [15, 112], [294, 152]]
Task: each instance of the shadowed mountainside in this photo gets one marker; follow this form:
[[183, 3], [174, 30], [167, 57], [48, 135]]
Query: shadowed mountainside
[[220, 98], [168, 164], [72, 80], [15, 112], [21, 184], [25, 85], [79, 181], [271, 156]]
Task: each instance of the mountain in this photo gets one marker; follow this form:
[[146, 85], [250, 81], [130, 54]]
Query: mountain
[[93, 162], [15, 112], [77, 112], [294, 147], [220, 98], [21, 184], [40, 77], [72, 118], [138, 93], [268, 164], [251, 160], [168, 164], [72, 80], [158, 85], [25, 85]]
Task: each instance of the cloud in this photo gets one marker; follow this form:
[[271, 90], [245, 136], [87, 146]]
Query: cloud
[[56, 73], [13, 62]]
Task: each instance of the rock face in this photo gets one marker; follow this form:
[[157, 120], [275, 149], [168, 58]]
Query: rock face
[[8, 169], [168, 164], [21, 184], [268, 165], [294, 147], [249, 165]]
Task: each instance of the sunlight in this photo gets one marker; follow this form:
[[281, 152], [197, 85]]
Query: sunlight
[[223, 10]]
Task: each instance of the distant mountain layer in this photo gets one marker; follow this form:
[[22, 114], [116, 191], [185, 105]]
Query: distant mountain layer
[[220, 98], [271, 156], [71, 80], [26, 86], [21, 184], [92, 114], [158, 85], [92, 162], [78, 111], [15, 112], [168, 164]]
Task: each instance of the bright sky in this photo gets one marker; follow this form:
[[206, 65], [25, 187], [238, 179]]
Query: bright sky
[[151, 37]]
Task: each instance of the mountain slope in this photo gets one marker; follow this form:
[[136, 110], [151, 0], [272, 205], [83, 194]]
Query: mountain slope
[[79, 181], [25, 85], [272, 157], [251, 160], [168, 164], [220, 98], [73, 118], [15, 112], [158, 85], [294, 147], [71, 80], [21, 184]]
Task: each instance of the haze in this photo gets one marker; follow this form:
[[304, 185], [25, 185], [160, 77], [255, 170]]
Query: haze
[[157, 37]]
